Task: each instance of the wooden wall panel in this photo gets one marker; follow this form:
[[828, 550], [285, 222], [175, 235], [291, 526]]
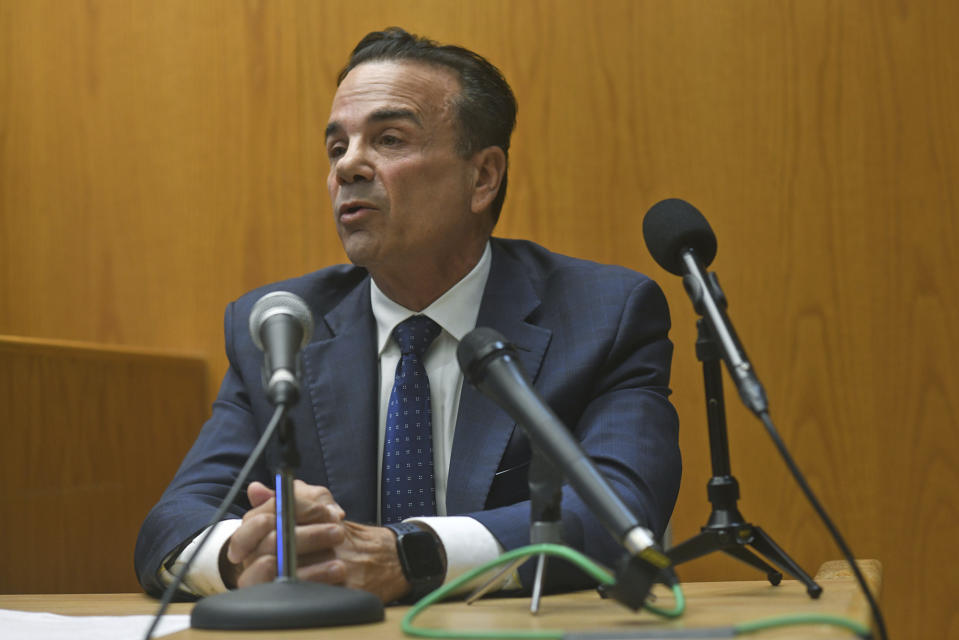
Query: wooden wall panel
[[91, 436], [158, 159]]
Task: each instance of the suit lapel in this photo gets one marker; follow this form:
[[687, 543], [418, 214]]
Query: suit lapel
[[343, 390], [482, 428]]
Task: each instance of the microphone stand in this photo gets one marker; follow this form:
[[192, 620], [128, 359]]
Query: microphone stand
[[726, 529], [286, 603], [285, 510], [545, 494], [545, 514]]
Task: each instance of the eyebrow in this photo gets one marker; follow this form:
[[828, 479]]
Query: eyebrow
[[380, 115]]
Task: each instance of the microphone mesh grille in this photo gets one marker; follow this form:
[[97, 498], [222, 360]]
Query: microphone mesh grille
[[280, 302]]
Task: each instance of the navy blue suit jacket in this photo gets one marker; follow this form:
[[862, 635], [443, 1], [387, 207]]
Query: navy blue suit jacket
[[592, 337]]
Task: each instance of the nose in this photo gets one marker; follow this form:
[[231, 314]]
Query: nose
[[354, 165]]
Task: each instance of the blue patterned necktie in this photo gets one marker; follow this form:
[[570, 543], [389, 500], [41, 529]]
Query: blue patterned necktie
[[407, 488]]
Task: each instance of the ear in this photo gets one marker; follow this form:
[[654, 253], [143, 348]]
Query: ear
[[489, 167]]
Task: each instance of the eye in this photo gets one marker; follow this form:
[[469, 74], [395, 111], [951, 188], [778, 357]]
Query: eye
[[336, 150], [389, 140]]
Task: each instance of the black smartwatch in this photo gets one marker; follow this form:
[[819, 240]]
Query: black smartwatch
[[421, 557]]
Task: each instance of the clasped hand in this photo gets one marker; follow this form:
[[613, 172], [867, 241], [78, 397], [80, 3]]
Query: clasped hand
[[329, 548]]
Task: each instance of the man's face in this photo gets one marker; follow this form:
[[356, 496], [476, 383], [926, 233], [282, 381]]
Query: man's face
[[400, 191]]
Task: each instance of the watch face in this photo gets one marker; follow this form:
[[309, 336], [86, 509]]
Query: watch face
[[422, 556]]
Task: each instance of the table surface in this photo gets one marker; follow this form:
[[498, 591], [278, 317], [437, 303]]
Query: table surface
[[708, 604]]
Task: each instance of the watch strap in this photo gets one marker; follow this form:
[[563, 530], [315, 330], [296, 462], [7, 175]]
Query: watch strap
[[402, 528]]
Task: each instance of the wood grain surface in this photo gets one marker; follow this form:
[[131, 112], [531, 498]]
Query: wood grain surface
[[709, 604], [91, 436], [159, 159]]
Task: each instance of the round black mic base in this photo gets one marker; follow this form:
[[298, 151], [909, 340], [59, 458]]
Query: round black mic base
[[286, 605]]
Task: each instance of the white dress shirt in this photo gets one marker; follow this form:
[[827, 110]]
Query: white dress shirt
[[466, 541]]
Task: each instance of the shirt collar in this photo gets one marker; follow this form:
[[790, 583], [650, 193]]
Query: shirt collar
[[455, 311]]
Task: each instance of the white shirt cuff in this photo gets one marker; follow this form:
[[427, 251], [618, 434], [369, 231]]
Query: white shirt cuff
[[468, 544], [204, 576]]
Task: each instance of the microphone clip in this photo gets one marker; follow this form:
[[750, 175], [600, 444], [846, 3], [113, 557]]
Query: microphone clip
[[282, 386], [694, 289]]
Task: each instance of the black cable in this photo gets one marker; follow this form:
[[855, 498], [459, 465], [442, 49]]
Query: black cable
[[840, 542], [278, 415]]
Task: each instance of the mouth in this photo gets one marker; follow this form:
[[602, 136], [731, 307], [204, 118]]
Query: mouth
[[354, 207]]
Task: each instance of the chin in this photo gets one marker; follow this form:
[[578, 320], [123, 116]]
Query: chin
[[358, 248], [356, 258]]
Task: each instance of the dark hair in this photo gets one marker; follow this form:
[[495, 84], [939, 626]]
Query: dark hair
[[486, 106]]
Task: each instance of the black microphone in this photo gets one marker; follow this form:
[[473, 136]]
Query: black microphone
[[682, 242], [281, 324], [490, 364]]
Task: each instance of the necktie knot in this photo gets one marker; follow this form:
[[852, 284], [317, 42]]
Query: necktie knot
[[415, 335]]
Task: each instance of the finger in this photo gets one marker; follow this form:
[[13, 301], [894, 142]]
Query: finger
[[262, 499], [258, 493], [315, 538], [263, 569], [249, 536], [330, 572], [315, 558], [314, 543], [314, 503], [266, 547], [268, 507]]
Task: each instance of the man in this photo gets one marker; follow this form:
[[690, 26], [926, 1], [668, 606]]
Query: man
[[418, 139]]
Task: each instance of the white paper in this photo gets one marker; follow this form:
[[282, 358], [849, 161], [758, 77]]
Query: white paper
[[25, 625]]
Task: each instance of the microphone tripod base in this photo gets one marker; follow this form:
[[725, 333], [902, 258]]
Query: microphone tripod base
[[733, 539], [286, 605]]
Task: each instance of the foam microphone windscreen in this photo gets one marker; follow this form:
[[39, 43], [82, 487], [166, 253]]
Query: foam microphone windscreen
[[673, 225]]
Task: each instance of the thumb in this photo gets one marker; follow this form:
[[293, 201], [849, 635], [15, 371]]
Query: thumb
[[258, 493]]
